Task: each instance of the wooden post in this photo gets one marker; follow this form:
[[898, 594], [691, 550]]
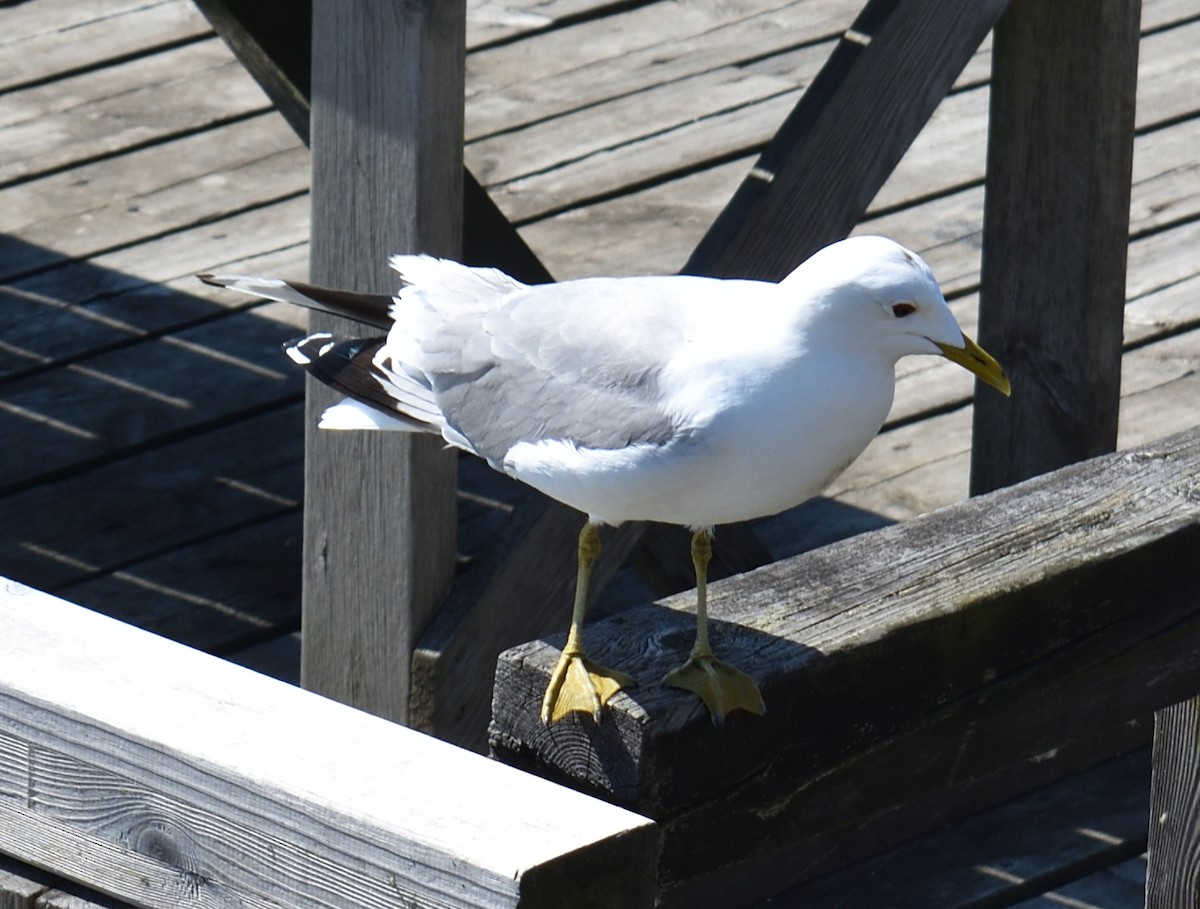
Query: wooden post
[[1056, 233], [387, 108], [1173, 875]]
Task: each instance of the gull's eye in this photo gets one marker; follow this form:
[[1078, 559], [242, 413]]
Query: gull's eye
[[900, 310]]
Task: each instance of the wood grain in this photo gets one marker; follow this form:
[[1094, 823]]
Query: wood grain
[[1029, 845], [955, 646], [379, 507], [861, 113], [127, 105], [78, 41], [1173, 878], [168, 778], [1056, 233]]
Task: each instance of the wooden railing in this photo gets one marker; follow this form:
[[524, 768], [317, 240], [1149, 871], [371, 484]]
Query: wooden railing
[[912, 675], [381, 630], [167, 778]]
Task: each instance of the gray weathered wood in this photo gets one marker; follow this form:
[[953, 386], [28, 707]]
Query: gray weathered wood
[[1055, 237], [276, 50], [957, 646], [1173, 878], [1059, 832], [130, 104], [18, 887], [168, 778], [89, 36], [815, 180], [387, 86], [280, 60]]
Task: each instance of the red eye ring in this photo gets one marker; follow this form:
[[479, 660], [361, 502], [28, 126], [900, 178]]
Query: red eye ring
[[900, 310]]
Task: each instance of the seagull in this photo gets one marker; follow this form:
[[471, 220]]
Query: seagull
[[681, 399]]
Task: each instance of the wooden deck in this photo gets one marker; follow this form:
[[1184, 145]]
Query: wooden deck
[[152, 436]]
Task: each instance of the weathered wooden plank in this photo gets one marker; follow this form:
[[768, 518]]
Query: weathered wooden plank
[[186, 593], [75, 43], [1166, 172], [651, 156], [1055, 238], [1173, 877], [276, 52], [1050, 835], [863, 110], [610, 237], [1176, 305], [97, 407], [150, 192], [28, 20], [491, 21], [180, 493], [242, 805], [19, 885], [580, 134], [1116, 887], [281, 62], [634, 50], [243, 236], [1033, 614], [48, 330], [278, 657], [25, 887], [951, 150], [369, 593], [647, 231], [71, 120]]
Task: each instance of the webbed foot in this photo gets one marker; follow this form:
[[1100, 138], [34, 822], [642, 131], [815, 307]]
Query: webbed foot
[[579, 684], [722, 687]]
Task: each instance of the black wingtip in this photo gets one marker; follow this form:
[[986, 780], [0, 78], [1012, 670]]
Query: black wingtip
[[210, 280]]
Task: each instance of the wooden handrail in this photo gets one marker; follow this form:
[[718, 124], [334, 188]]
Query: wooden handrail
[[168, 778], [905, 671]]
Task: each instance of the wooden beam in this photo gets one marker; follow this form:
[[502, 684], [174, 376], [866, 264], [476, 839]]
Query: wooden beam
[[380, 514], [1173, 874], [903, 670], [168, 778], [1056, 233], [850, 128], [276, 50]]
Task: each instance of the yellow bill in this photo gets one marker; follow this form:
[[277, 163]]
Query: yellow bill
[[974, 358]]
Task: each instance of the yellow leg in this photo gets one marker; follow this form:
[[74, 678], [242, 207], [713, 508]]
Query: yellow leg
[[578, 683], [722, 687]]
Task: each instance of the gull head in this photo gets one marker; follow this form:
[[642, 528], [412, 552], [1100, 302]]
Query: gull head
[[888, 296]]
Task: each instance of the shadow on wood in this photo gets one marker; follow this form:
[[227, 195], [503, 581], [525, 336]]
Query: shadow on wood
[[902, 670]]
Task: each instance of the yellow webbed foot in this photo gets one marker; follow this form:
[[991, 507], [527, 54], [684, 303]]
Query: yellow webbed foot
[[722, 687], [579, 684]]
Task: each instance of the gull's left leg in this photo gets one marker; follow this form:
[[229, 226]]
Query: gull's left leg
[[578, 683], [722, 687]]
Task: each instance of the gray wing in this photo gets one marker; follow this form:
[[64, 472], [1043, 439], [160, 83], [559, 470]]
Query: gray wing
[[578, 361]]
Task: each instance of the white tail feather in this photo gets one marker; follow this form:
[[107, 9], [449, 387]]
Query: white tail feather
[[351, 414]]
